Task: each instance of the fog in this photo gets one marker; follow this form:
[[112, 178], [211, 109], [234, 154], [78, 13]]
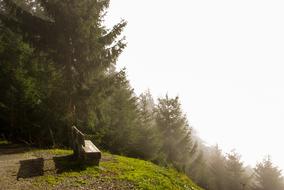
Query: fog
[[223, 58]]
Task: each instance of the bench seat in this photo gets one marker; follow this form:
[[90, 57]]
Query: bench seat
[[91, 153], [85, 149]]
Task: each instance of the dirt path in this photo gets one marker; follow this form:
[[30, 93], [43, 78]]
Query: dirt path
[[10, 157], [20, 167]]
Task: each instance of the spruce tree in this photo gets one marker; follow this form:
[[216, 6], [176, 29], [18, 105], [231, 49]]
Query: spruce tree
[[119, 118], [29, 110], [177, 144], [217, 169], [268, 176], [148, 138], [198, 170], [72, 34], [236, 179]]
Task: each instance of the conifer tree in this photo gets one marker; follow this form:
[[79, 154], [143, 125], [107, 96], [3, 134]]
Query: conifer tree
[[236, 179], [121, 118], [72, 34], [29, 83], [268, 176], [217, 169], [148, 138], [177, 145], [198, 170]]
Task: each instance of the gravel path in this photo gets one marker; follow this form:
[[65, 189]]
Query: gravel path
[[20, 167], [10, 157]]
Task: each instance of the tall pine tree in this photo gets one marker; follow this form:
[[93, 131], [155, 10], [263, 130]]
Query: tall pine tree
[[177, 144], [267, 176], [217, 169], [236, 179], [72, 34]]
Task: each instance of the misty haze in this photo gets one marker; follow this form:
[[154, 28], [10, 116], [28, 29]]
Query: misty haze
[[100, 94]]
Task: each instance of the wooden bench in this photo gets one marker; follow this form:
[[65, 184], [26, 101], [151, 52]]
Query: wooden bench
[[83, 149]]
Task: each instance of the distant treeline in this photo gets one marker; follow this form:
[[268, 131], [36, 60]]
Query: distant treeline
[[57, 69]]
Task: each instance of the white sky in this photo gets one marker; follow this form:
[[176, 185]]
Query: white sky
[[224, 58]]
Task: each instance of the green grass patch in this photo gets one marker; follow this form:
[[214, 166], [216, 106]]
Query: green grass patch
[[142, 174], [54, 152], [60, 152], [53, 180], [4, 142], [49, 152], [146, 175]]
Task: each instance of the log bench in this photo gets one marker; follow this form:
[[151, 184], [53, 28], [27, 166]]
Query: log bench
[[84, 149]]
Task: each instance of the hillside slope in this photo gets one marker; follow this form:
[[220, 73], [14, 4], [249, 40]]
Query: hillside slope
[[55, 169]]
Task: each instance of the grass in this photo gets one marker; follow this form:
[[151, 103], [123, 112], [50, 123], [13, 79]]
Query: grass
[[50, 152], [146, 175], [3, 142], [130, 172]]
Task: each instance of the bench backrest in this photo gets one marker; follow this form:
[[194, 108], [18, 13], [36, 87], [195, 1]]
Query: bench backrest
[[84, 149], [78, 136], [78, 139]]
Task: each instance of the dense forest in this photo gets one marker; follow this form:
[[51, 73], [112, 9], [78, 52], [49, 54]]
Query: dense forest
[[58, 69]]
